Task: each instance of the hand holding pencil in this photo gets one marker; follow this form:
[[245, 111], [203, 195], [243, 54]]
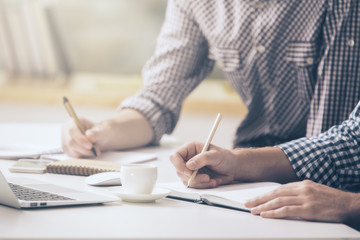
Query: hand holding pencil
[[221, 164], [76, 120], [207, 143]]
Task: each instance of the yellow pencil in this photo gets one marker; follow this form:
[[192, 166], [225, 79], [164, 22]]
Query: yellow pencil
[[207, 143], [73, 115]]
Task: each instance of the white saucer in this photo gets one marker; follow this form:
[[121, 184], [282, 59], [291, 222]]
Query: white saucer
[[141, 198]]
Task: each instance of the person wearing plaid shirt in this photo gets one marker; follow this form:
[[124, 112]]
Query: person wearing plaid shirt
[[322, 173], [295, 64]]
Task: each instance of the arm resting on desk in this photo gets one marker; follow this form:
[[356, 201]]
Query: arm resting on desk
[[128, 129]]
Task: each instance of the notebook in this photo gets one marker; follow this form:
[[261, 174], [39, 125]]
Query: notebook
[[230, 196], [30, 193], [82, 167]]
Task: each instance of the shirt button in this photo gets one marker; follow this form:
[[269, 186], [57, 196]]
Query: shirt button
[[261, 49], [310, 61], [351, 42], [276, 126]]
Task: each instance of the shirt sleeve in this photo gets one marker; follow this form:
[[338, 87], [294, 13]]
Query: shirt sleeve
[[332, 157], [179, 64]]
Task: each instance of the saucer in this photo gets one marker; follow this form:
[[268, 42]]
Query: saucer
[[141, 198]]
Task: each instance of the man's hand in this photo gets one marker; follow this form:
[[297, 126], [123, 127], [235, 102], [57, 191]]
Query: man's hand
[[306, 199], [220, 165], [128, 129], [76, 144]]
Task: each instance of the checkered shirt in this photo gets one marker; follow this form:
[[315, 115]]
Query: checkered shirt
[[295, 64], [332, 157]]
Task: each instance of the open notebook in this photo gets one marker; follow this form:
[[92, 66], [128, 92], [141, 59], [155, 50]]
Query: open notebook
[[229, 196]]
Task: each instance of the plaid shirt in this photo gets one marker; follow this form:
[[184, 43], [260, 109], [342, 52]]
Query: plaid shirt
[[331, 158], [295, 64]]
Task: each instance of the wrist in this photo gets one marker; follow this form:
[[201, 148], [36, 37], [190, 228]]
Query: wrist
[[127, 129], [245, 167], [351, 214]]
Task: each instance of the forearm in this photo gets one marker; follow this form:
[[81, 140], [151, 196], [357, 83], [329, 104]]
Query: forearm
[[130, 129], [264, 164], [330, 158]]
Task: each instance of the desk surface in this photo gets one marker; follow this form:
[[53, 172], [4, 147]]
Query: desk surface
[[163, 219]]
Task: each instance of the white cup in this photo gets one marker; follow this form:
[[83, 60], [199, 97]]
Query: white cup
[[138, 178]]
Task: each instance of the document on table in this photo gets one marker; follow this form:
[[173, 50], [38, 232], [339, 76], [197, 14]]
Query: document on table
[[123, 157], [27, 151], [41, 140], [58, 155]]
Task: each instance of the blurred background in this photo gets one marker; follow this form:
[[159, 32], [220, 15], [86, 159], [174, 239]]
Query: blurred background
[[49, 39], [111, 36], [91, 51]]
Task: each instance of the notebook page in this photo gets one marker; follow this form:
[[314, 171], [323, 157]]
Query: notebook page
[[233, 195], [27, 151], [239, 193]]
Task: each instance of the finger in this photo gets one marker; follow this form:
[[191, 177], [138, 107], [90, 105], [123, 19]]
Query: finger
[[284, 212], [182, 176], [72, 152], [278, 192], [212, 183], [80, 139], [276, 203], [200, 178], [179, 163], [93, 133], [210, 158], [78, 154], [189, 150], [72, 148], [87, 124], [80, 151]]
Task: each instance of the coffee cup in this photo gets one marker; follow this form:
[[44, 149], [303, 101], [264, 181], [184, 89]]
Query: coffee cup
[[138, 178]]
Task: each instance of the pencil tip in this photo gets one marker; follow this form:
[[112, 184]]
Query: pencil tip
[[65, 99], [94, 152]]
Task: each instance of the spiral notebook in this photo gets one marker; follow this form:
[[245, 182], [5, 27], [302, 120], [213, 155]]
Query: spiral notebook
[[82, 167], [107, 162]]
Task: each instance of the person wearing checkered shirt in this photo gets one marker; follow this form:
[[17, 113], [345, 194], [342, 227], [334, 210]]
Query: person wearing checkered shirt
[[321, 173], [295, 64]]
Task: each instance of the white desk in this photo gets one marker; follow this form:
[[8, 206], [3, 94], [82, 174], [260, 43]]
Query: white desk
[[163, 219]]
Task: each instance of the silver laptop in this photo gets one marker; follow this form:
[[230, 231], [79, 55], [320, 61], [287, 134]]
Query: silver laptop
[[30, 193]]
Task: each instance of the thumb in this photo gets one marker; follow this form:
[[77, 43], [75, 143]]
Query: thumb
[[87, 124], [92, 133]]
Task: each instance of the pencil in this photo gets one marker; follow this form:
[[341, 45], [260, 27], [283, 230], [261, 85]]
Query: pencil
[[73, 115], [207, 143]]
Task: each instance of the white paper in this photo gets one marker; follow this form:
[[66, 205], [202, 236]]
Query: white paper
[[123, 157]]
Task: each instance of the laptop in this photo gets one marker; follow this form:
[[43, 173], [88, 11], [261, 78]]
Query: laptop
[[31, 193]]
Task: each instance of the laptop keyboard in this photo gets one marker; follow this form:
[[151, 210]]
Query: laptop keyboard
[[29, 194]]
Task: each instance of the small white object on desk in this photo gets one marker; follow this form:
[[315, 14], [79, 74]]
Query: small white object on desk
[[138, 178], [104, 179]]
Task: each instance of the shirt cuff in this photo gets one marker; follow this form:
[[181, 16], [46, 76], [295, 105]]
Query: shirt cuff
[[310, 160]]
